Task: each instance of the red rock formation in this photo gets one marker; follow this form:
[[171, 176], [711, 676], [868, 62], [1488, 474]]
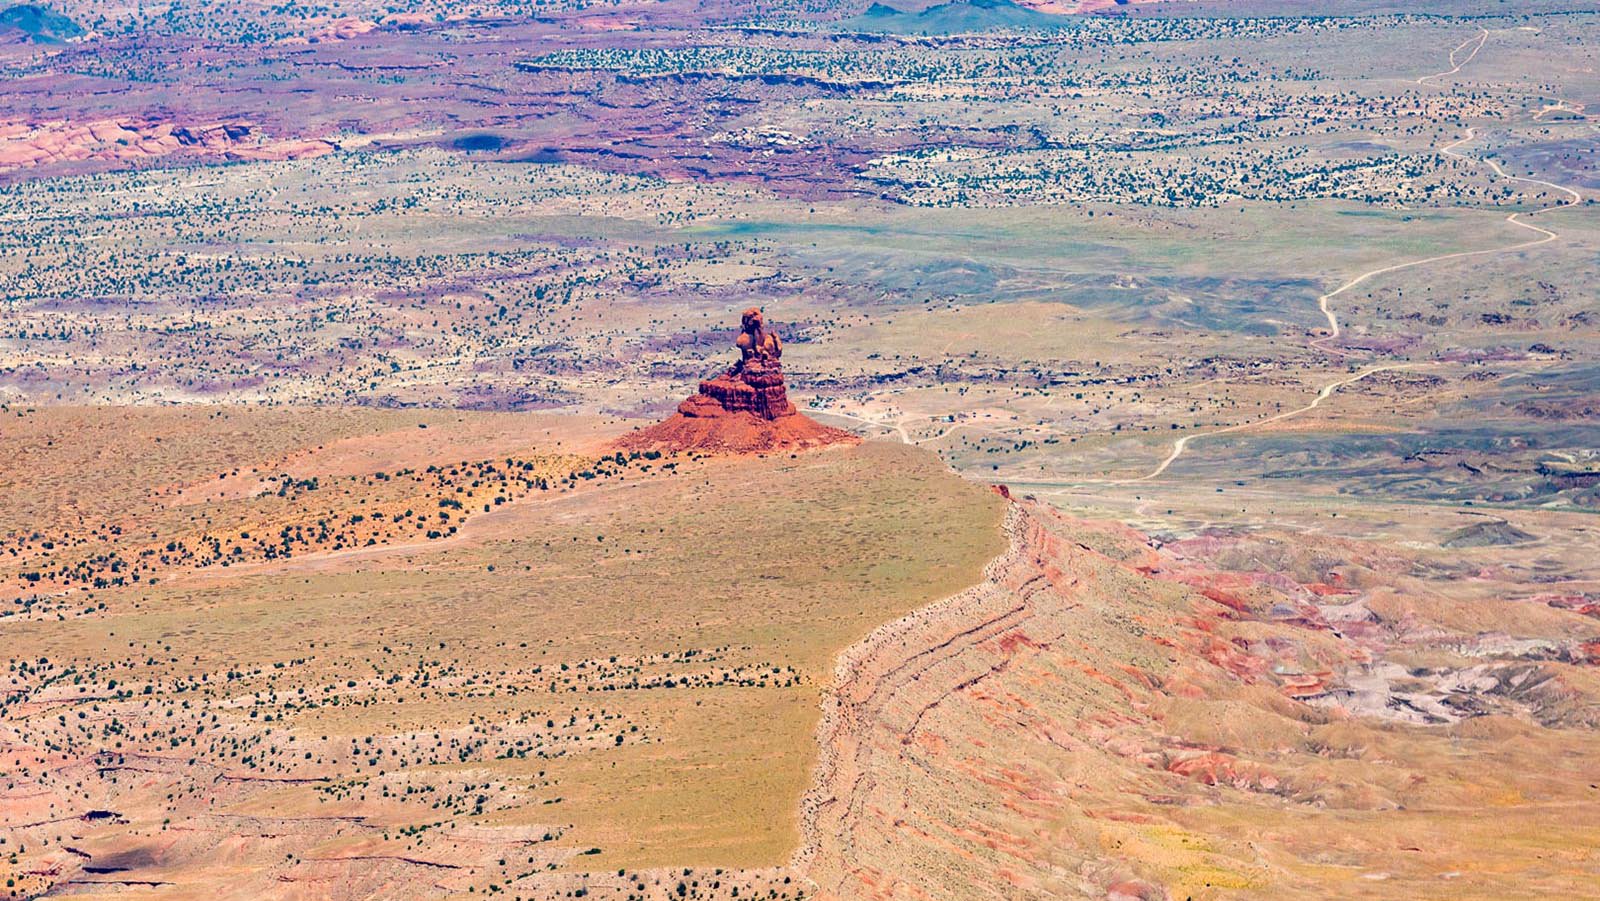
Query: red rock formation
[[744, 410], [28, 144]]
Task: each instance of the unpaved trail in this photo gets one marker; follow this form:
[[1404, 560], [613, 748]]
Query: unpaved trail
[[1573, 198], [1478, 40], [1546, 235], [1326, 392]]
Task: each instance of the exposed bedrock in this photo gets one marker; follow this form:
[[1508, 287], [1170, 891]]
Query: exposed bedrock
[[1101, 717], [743, 410]]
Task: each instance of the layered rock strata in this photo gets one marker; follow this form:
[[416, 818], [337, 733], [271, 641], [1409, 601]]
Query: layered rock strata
[[743, 410]]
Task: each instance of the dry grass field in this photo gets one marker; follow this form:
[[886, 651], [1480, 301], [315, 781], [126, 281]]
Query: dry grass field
[[621, 675]]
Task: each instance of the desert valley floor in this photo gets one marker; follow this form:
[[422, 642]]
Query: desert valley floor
[[1159, 460]]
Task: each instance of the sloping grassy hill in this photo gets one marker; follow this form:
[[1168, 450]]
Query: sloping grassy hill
[[619, 671]]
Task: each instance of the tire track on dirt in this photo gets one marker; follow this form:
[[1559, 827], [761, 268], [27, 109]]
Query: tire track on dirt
[[1334, 329]]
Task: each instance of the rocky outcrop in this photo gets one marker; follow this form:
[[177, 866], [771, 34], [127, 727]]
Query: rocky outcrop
[[1107, 716], [759, 392], [343, 30], [1495, 533], [29, 144], [744, 410]]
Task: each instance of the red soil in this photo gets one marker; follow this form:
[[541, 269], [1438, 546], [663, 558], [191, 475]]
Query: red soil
[[735, 432]]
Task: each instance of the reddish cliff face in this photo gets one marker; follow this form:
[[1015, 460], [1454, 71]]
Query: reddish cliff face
[[758, 391], [744, 410]]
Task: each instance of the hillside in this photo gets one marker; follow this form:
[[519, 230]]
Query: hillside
[[621, 671], [39, 23], [955, 17]]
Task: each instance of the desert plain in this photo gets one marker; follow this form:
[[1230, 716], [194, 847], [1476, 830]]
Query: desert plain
[[1199, 498]]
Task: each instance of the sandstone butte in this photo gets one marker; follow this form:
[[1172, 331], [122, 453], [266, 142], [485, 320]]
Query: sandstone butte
[[745, 410]]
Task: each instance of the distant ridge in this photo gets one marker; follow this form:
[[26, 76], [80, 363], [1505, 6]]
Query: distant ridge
[[42, 24], [954, 17]]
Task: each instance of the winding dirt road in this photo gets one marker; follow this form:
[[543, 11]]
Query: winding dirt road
[[1573, 198], [1326, 392], [1478, 40]]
